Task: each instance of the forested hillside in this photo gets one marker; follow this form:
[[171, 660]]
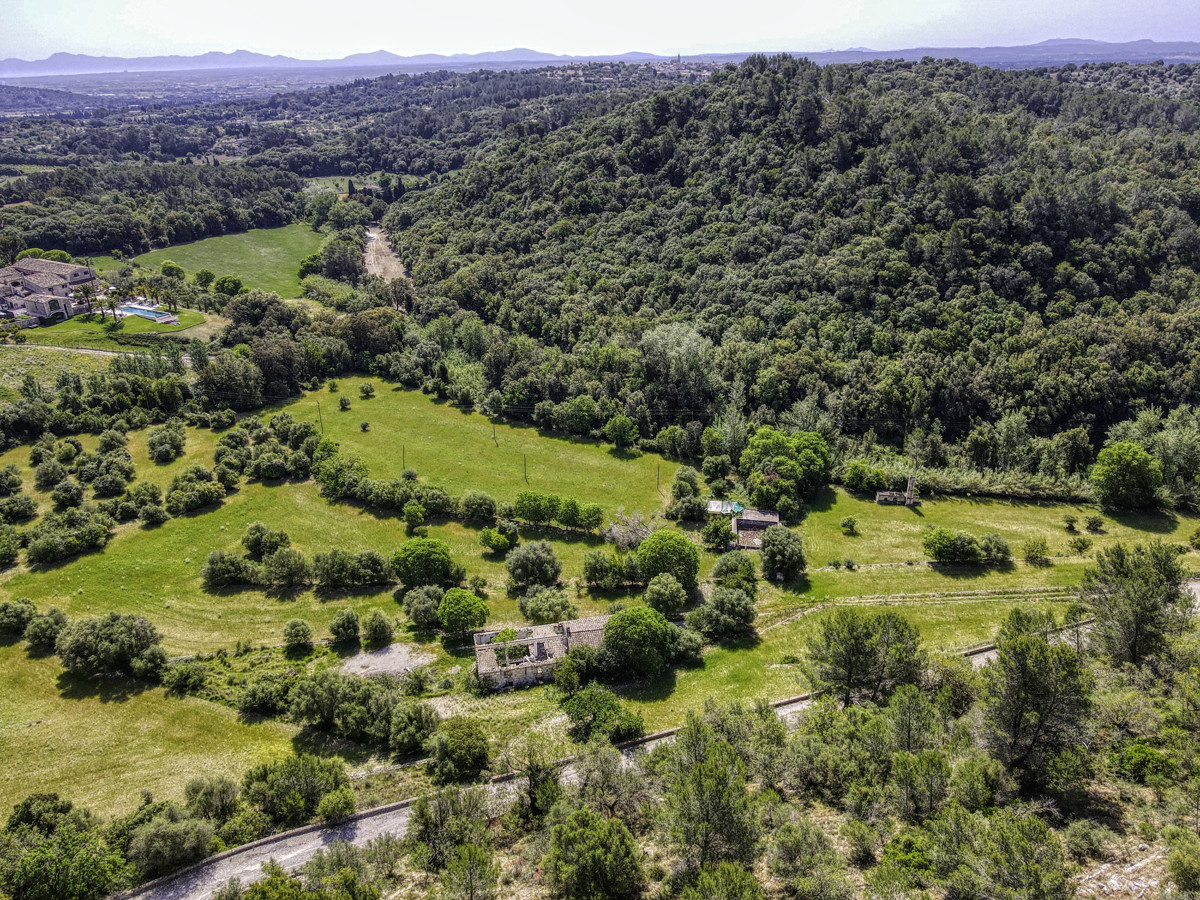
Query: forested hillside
[[901, 245]]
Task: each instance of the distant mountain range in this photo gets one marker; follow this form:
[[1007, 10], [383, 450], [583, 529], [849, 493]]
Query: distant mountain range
[[1056, 52]]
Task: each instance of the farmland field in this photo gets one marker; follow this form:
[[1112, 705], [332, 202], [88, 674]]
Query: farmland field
[[265, 258]]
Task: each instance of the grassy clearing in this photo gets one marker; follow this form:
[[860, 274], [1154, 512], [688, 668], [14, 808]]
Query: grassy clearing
[[265, 258], [45, 364], [456, 449], [103, 743], [96, 333]]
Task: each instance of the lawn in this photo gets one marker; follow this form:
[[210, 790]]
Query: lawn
[[19, 360], [464, 451], [101, 744], [99, 333], [265, 258]]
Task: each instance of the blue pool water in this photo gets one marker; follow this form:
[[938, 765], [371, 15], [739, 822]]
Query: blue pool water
[[152, 314]]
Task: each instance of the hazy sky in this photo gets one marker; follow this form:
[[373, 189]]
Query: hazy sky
[[319, 28]]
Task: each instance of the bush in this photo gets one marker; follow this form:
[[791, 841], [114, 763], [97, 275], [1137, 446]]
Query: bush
[[223, 569], [166, 443], [112, 645], [639, 641], [861, 477], [461, 611], [476, 506], [1086, 839], [1125, 476], [377, 628], [48, 474], [736, 570], [1036, 551], [592, 857], [15, 616], [10, 479], [595, 711], [782, 553], [727, 614], [67, 493], [261, 541], [338, 804], [366, 390], [666, 594], [169, 841], [946, 546], [1080, 545], [1183, 860], [421, 561], [42, 631], [297, 633], [458, 751], [65, 534], [421, 605], [289, 790], [185, 678], [533, 564], [994, 550], [850, 526], [543, 605], [717, 534], [672, 553], [1095, 524], [10, 545], [343, 403], [344, 626], [412, 725], [287, 569]]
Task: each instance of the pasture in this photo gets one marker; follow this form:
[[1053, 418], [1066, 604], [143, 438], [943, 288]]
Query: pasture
[[264, 258], [94, 332]]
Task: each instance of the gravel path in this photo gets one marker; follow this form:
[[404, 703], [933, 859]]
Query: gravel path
[[379, 256]]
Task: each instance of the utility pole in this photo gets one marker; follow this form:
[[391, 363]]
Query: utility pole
[[321, 417]]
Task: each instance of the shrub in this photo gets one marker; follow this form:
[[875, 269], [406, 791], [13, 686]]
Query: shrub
[[10, 479], [477, 506], [595, 711], [670, 552], [461, 611], [42, 631], [458, 751], [343, 403], [639, 641], [338, 804], [946, 546], [1086, 839], [727, 614], [366, 390], [782, 553], [261, 541], [849, 526], [290, 790], [421, 605], [542, 605], [212, 797], [168, 841], [67, 493], [1126, 476], [717, 534], [860, 476], [414, 514], [421, 561], [297, 633], [666, 594], [48, 474], [223, 569], [994, 550], [1080, 545], [344, 626], [1095, 524], [533, 564], [600, 570], [592, 857], [10, 545], [112, 645], [736, 570], [377, 628], [15, 615], [185, 678], [286, 568], [412, 725], [166, 443], [1036, 551]]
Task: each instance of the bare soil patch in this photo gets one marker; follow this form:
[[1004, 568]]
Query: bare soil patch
[[394, 659]]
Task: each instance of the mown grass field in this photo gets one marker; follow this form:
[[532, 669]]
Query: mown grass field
[[46, 364], [155, 572], [103, 743], [264, 258], [95, 333]]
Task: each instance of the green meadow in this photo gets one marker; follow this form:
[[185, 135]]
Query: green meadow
[[155, 572], [94, 332], [264, 258]]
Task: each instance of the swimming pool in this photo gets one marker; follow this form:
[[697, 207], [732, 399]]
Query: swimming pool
[[154, 315]]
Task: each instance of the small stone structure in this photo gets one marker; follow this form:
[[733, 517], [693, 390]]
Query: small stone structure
[[532, 655], [749, 524], [896, 498]]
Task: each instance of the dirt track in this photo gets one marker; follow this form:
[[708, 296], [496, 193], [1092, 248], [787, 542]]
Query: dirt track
[[380, 258]]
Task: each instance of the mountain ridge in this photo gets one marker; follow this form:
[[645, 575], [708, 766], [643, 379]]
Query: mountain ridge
[[1051, 52]]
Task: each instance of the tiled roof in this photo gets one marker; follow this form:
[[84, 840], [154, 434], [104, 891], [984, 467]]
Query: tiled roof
[[46, 280], [49, 267]]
